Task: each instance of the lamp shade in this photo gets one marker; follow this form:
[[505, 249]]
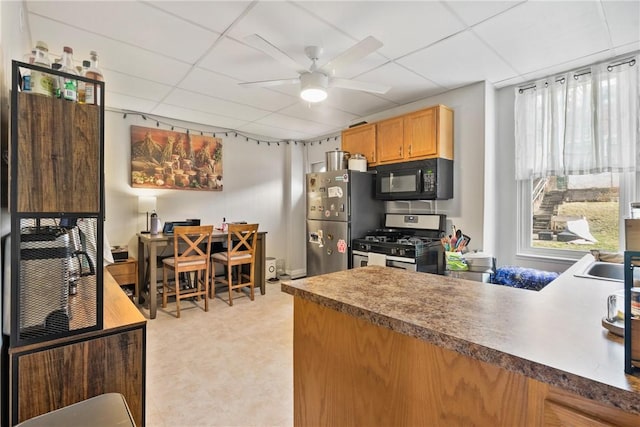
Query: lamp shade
[[146, 204], [313, 86]]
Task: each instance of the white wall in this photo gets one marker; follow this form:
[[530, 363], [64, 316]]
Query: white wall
[[258, 187]]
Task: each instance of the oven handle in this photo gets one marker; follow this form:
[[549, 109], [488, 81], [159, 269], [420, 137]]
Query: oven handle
[[389, 257]]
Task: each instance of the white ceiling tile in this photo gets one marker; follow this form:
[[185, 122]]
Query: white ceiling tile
[[223, 87], [291, 29], [356, 102], [134, 23], [536, 34], [135, 86], [472, 12], [113, 55], [206, 104], [244, 63], [457, 61], [197, 117], [274, 132], [295, 124], [320, 113], [403, 26], [623, 18], [214, 15], [121, 101], [406, 86]]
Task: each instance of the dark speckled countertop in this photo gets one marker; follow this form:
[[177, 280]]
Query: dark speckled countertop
[[554, 335]]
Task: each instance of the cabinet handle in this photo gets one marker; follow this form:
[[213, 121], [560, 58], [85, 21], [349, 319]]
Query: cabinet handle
[[400, 151], [409, 149]]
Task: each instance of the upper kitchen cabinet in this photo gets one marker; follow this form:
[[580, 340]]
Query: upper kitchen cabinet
[[419, 135], [361, 139], [390, 141]]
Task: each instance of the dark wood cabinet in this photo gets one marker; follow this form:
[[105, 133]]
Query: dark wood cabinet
[[57, 213], [74, 332], [125, 273], [50, 375], [58, 155]]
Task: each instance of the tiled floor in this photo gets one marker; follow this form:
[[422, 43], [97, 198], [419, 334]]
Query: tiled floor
[[230, 366]]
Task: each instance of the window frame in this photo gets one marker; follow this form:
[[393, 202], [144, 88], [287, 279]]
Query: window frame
[[628, 190]]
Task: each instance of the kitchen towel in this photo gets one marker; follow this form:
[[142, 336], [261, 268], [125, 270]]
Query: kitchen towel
[[376, 259]]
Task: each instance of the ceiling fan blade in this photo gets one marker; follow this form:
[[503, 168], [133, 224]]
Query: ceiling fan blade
[[354, 53], [268, 83], [356, 85], [271, 50]]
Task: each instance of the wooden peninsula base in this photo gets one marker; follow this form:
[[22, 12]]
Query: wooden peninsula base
[[378, 346], [350, 372]]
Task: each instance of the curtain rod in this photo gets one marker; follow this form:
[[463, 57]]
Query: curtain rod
[[610, 67]]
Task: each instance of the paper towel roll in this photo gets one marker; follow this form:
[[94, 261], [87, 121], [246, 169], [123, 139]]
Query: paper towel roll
[[376, 259]]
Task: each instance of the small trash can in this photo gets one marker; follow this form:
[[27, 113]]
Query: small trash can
[[270, 268]]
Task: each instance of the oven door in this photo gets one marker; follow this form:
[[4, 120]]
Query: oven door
[[360, 259]]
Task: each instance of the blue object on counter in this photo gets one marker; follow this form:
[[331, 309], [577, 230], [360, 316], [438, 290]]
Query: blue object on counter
[[524, 278]]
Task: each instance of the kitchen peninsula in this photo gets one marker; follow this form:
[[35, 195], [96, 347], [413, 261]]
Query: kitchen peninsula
[[381, 346]]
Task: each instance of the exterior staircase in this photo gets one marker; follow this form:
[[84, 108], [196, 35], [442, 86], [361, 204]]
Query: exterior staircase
[[548, 208]]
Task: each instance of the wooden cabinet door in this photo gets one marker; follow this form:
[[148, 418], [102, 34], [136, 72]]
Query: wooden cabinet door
[[53, 378], [390, 140], [361, 139], [58, 153], [421, 138]]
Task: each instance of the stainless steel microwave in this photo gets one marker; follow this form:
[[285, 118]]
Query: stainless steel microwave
[[430, 179]]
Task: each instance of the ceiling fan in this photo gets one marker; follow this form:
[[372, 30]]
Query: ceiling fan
[[315, 81]]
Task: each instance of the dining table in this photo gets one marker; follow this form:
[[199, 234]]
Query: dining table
[[148, 245]]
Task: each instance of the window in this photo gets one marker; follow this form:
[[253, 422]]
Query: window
[[577, 148]]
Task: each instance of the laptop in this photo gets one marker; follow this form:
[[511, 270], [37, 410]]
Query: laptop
[[168, 226]]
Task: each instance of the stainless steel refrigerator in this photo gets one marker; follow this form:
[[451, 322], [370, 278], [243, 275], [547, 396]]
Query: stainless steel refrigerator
[[340, 207]]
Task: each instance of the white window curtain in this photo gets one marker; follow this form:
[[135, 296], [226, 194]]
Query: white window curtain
[[580, 123]]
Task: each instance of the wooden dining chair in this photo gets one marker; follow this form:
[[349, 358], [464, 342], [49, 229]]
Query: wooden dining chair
[[192, 251], [241, 251]]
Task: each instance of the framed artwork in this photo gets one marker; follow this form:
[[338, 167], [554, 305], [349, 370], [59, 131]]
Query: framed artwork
[[175, 160]]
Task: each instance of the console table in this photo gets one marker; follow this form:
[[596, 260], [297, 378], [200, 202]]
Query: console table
[[149, 244]]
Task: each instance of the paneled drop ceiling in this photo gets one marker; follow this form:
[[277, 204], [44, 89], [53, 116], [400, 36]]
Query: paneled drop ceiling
[[183, 60]]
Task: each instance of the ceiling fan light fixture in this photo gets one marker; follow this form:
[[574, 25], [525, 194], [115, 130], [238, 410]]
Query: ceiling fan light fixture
[[313, 87]]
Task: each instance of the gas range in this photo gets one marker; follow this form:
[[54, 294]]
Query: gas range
[[392, 242], [411, 242]]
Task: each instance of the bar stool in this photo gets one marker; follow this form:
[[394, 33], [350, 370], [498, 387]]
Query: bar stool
[[241, 250], [192, 258]]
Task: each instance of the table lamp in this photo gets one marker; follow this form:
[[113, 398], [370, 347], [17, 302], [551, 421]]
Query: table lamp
[[146, 204]]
